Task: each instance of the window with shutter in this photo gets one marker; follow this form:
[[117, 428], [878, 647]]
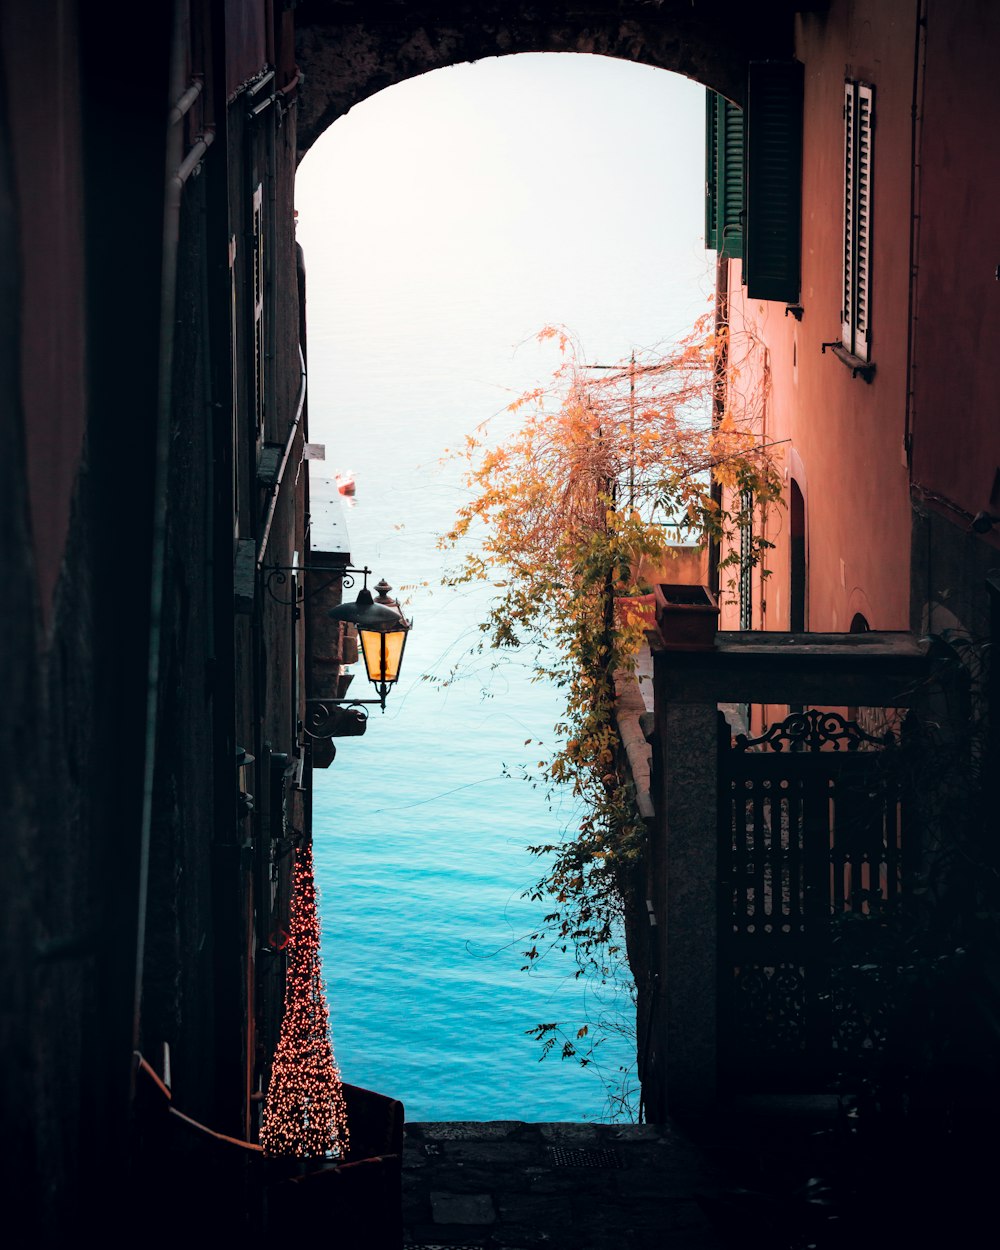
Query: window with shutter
[[723, 176], [859, 102], [711, 170], [773, 199]]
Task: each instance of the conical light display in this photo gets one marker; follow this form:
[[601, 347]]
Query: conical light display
[[304, 1112]]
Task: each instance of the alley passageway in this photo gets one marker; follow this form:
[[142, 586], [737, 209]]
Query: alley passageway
[[176, 741], [586, 1186], [781, 1173]]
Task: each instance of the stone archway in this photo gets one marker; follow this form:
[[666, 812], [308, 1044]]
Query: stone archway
[[347, 50]]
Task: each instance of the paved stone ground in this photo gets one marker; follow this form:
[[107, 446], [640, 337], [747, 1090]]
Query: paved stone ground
[[514, 1185], [761, 1174]]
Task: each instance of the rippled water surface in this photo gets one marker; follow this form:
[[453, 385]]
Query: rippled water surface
[[444, 222]]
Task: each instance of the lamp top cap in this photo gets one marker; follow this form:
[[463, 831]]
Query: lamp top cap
[[367, 614]]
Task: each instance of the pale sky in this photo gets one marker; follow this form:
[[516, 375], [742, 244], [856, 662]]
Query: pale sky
[[455, 214]]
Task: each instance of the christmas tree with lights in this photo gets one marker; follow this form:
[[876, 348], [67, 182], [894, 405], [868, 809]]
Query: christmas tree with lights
[[304, 1113]]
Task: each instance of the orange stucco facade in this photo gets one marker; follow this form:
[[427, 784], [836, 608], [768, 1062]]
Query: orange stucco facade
[[873, 457]]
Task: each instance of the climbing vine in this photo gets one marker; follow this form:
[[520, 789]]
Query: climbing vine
[[609, 469]]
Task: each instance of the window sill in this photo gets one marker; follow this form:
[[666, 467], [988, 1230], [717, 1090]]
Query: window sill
[[858, 367]]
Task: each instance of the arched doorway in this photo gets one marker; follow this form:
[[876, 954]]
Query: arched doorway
[[347, 53], [798, 565], [399, 348]]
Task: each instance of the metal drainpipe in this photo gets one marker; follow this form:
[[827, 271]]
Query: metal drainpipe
[[292, 431], [916, 124], [178, 170], [271, 226], [719, 397]]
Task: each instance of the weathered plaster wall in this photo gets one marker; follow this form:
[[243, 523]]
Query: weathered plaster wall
[[43, 94], [957, 313], [843, 438]]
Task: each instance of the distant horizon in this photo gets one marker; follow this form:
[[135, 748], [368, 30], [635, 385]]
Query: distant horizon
[[527, 179]]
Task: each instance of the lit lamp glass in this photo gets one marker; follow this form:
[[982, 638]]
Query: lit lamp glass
[[383, 653], [382, 631]]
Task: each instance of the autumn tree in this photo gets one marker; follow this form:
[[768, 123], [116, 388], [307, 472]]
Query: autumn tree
[[609, 469]]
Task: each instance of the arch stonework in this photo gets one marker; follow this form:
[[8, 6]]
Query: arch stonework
[[347, 50]]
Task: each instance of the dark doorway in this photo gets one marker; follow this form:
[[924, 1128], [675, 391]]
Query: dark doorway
[[797, 568]]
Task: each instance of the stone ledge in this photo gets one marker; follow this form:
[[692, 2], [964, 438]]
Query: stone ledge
[[630, 708]]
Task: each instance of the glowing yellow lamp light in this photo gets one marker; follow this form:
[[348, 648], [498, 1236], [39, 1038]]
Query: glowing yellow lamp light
[[382, 630], [383, 654]]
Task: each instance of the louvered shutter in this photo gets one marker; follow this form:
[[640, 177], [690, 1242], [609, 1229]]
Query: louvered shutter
[[730, 179], [711, 169], [863, 216], [723, 176], [773, 213], [859, 101], [850, 214]]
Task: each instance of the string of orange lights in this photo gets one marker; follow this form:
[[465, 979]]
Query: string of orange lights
[[304, 1112]]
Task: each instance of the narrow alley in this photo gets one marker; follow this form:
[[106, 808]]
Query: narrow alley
[[588, 1186]]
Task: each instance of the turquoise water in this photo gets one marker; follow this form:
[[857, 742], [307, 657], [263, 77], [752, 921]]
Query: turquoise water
[[442, 228]]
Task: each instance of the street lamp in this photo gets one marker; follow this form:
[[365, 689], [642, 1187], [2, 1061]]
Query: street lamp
[[382, 631]]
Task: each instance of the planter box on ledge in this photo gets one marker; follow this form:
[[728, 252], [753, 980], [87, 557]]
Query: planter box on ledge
[[687, 616]]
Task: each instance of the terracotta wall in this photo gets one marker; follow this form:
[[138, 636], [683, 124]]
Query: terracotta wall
[[956, 436], [843, 438]]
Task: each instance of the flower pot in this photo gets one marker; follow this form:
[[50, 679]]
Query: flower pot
[[687, 616]]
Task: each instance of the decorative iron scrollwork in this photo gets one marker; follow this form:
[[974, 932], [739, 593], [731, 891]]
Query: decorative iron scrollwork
[[332, 720], [811, 830], [812, 730], [277, 575]]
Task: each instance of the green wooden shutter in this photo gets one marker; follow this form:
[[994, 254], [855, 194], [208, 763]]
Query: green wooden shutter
[[711, 169], [773, 216], [730, 179], [723, 176]]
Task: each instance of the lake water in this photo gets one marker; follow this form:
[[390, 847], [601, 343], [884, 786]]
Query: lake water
[[444, 222]]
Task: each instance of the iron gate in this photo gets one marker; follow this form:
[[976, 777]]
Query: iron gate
[[810, 829]]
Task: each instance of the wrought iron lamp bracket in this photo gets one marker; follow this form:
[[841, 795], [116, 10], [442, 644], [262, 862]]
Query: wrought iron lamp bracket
[[337, 718], [277, 575]]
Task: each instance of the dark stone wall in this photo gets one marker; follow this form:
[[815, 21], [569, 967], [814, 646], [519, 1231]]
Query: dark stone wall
[[43, 97], [19, 844], [84, 1143], [74, 677], [348, 50], [949, 565], [178, 990]]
